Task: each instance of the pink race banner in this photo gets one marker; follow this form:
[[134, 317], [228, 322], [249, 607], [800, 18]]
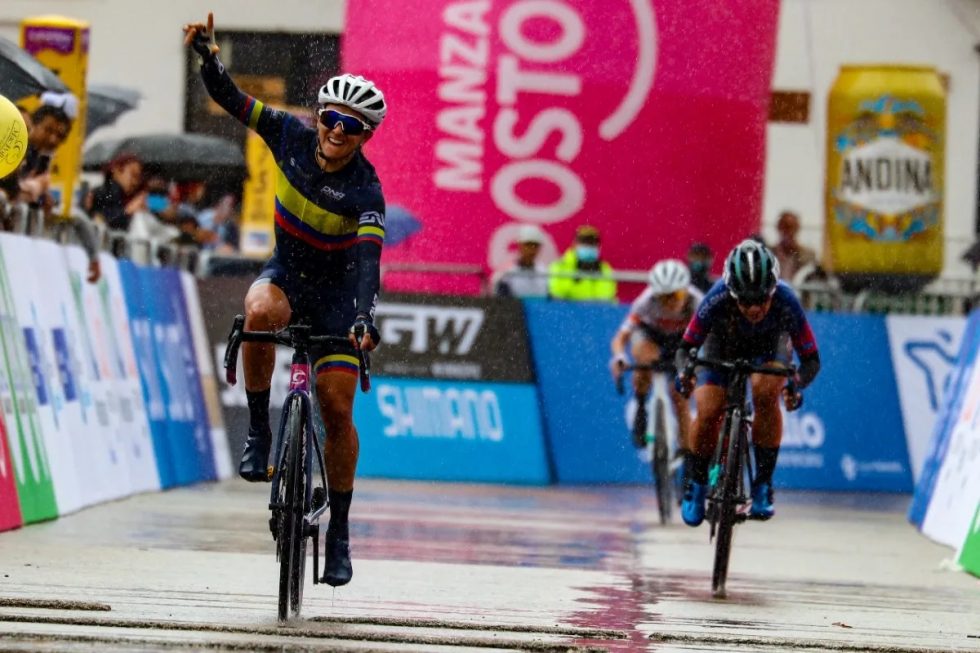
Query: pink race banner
[[644, 118]]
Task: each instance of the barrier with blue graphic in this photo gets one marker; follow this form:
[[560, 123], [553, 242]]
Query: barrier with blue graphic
[[582, 413], [948, 490], [451, 431], [168, 369], [829, 444]]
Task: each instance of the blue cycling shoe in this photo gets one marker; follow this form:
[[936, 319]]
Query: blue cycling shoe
[[762, 502], [692, 508]]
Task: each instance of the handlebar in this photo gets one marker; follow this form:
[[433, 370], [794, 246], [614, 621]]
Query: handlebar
[[654, 366], [291, 336], [743, 367]]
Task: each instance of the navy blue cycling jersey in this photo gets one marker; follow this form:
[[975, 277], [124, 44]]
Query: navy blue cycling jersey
[[329, 225], [718, 314]]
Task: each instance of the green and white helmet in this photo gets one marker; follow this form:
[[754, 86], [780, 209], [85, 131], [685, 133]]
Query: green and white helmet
[[751, 272]]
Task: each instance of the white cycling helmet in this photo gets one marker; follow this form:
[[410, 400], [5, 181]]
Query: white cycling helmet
[[357, 93], [669, 275]]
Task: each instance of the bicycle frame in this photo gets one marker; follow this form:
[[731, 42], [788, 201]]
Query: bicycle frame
[[313, 495], [299, 385]]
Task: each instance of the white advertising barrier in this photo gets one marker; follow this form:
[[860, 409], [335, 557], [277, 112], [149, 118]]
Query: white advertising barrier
[[107, 452], [209, 383], [37, 312], [133, 423], [25, 434], [923, 352], [957, 489], [126, 440]]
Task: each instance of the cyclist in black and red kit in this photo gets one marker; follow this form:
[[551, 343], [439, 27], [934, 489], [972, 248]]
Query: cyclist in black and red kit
[[748, 314], [325, 271]]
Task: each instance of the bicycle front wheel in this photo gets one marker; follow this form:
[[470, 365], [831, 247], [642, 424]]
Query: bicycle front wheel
[[292, 535], [727, 505], [661, 463]]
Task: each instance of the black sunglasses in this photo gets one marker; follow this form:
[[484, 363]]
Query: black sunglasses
[[352, 126]]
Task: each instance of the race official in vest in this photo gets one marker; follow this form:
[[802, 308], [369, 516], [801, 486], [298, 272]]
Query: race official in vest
[[581, 274]]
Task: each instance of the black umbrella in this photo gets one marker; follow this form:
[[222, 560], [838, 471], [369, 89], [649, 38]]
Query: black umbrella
[[22, 75], [106, 103], [181, 157]]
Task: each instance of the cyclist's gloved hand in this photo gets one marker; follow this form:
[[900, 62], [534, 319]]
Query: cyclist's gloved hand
[[617, 364], [200, 38], [363, 334], [792, 397]]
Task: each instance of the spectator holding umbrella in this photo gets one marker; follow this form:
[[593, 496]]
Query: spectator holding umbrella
[[116, 200]]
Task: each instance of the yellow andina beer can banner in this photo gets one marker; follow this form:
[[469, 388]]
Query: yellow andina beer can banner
[[885, 158], [61, 44]]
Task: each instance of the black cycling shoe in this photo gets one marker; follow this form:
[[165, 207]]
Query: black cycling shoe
[[254, 467], [337, 569]]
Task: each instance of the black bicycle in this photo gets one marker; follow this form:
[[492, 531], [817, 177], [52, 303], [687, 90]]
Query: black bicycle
[[657, 431], [298, 499], [728, 501]]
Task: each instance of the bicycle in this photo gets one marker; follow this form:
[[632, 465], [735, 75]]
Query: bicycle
[[296, 502], [728, 501], [662, 431]]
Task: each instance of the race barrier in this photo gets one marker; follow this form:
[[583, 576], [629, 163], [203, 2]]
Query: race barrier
[[947, 497], [453, 395], [101, 384], [827, 445], [471, 389]]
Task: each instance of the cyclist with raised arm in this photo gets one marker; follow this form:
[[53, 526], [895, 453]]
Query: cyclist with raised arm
[[325, 270], [653, 328], [748, 314]]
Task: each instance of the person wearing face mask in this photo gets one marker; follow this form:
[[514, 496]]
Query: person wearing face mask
[[581, 274], [749, 314], [326, 267], [699, 259]]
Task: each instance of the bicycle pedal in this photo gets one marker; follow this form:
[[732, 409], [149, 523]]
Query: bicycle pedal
[[319, 498]]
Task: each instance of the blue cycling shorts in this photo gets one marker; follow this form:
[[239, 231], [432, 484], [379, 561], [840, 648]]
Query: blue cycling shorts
[[328, 306]]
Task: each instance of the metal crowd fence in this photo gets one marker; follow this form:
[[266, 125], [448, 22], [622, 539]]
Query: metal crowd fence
[[94, 236], [817, 291]]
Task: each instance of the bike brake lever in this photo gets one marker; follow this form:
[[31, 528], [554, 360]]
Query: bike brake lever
[[365, 365], [231, 353]]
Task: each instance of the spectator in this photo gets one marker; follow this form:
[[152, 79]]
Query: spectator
[[792, 256], [581, 274], [223, 235], [190, 194], [525, 277], [48, 128], [116, 200], [699, 259]]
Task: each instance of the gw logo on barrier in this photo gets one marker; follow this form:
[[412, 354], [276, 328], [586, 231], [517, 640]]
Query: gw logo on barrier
[[431, 412], [449, 330]]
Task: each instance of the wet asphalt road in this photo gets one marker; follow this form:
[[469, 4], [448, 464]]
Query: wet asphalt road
[[440, 567]]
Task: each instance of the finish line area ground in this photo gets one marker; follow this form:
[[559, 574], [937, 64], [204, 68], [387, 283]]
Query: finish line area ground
[[440, 567]]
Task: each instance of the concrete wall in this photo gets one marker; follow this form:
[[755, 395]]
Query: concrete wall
[[815, 38], [139, 44]]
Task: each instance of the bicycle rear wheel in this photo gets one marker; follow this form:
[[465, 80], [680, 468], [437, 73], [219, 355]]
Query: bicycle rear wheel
[[292, 536], [727, 506], [661, 463]]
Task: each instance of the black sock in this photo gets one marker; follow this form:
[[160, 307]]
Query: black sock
[[696, 467], [339, 508], [765, 463], [258, 411], [641, 417]]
